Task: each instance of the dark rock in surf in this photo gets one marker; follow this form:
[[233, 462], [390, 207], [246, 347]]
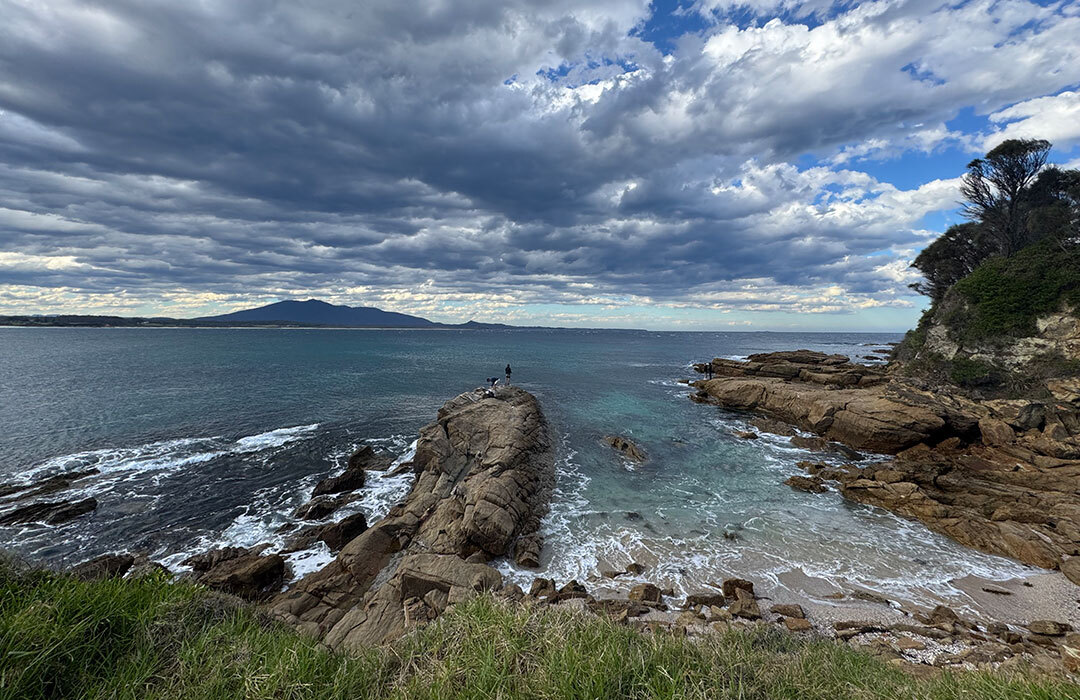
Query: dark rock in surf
[[527, 551], [46, 486], [50, 512], [239, 571], [349, 480], [103, 567], [334, 535], [625, 446], [319, 507], [810, 484]]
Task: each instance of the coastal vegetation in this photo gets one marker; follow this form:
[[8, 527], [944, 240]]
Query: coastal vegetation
[[62, 637], [990, 279]]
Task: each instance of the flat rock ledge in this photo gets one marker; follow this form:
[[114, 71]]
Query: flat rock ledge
[[484, 473], [1001, 476]]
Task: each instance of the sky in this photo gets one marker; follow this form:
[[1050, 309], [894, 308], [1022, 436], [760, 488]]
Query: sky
[[694, 164]]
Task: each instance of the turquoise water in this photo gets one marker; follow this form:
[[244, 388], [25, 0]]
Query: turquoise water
[[209, 436]]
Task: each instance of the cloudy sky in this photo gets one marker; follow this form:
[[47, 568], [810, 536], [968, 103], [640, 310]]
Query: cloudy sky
[[703, 164]]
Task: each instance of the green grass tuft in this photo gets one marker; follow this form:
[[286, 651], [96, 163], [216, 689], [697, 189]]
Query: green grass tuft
[[62, 638]]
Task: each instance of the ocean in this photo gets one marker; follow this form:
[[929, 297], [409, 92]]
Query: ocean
[[211, 437]]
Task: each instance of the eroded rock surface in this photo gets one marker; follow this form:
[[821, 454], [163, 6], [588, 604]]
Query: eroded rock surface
[[241, 572], [1002, 476], [484, 473]]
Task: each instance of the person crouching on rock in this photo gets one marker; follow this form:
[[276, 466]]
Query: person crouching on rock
[[493, 381], [508, 374]]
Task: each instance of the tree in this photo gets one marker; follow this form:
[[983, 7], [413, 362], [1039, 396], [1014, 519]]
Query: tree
[[1055, 207], [995, 189], [950, 258]]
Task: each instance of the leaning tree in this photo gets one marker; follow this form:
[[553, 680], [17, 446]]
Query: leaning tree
[[995, 189]]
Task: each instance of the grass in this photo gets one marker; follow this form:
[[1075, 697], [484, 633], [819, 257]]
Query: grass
[[63, 638], [1006, 295]]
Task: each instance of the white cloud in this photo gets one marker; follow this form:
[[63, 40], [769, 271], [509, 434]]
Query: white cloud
[[1055, 118]]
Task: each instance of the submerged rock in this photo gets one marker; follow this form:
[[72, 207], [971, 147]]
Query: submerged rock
[[50, 512], [626, 447], [46, 486]]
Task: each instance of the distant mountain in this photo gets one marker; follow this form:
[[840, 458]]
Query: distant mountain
[[320, 313]]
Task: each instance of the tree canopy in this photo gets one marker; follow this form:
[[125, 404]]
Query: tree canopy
[[1012, 200]]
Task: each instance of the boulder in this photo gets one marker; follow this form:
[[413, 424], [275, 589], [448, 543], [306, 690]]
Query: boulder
[[1049, 628], [1071, 568], [349, 480], [239, 571], [366, 458], [527, 551], [746, 434], [319, 508], [996, 432], [542, 588], [730, 585], [745, 605], [625, 446], [795, 611], [645, 593], [797, 624], [709, 599], [337, 535], [103, 567]]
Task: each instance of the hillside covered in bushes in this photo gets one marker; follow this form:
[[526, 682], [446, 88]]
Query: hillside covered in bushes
[[1004, 286]]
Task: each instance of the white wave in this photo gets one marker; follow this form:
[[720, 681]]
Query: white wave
[[274, 438]]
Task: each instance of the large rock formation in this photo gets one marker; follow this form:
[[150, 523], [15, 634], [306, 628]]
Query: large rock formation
[[1002, 476], [484, 472], [824, 394]]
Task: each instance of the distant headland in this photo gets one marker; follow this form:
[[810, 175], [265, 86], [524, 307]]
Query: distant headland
[[312, 313]]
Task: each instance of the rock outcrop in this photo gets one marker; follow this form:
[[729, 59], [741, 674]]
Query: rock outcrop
[[484, 473], [241, 572], [1002, 476]]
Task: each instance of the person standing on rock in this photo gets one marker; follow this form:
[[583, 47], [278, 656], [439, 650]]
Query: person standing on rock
[[508, 374]]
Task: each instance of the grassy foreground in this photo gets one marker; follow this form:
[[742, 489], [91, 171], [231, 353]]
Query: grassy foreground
[[62, 638]]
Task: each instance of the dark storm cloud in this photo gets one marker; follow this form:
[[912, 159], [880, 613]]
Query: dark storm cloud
[[245, 148]]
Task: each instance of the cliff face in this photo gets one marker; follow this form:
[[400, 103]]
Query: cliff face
[[484, 472]]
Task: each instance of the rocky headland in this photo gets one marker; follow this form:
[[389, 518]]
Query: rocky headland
[[1002, 476], [484, 472]]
